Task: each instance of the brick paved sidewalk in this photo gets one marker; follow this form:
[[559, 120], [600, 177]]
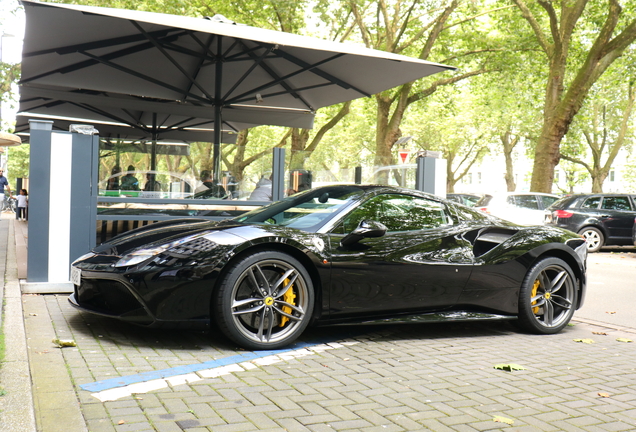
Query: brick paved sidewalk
[[389, 378]]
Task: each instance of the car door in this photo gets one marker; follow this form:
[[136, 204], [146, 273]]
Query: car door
[[421, 263], [617, 215]]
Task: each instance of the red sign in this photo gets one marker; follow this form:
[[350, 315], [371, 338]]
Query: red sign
[[404, 154]]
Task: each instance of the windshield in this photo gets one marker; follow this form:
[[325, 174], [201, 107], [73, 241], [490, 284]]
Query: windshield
[[306, 211]]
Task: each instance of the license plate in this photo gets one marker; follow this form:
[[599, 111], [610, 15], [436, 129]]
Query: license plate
[[76, 276]]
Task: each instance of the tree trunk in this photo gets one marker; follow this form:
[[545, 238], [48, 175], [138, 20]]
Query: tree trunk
[[450, 175], [508, 146], [597, 182], [547, 156], [299, 139]]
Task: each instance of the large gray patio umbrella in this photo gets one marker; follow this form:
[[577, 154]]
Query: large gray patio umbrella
[[233, 73]]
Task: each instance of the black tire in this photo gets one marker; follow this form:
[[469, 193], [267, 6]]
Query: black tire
[[253, 306], [547, 299], [594, 238]]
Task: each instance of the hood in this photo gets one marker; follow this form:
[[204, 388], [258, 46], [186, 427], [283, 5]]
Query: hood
[[157, 233]]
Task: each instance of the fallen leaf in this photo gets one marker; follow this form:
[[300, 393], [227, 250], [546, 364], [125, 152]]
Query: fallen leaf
[[610, 313], [64, 343], [33, 314], [624, 340], [600, 333], [603, 394], [587, 341], [505, 420], [121, 422], [509, 367]]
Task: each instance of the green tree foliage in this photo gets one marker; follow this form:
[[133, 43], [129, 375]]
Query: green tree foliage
[[448, 124], [443, 31], [604, 126], [18, 162], [579, 41]]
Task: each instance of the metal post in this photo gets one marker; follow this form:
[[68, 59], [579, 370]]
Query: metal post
[[278, 174], [218, 105], [358, 175]]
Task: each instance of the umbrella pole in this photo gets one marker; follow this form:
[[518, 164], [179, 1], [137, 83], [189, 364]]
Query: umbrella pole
[[216, 156], [153, 146]]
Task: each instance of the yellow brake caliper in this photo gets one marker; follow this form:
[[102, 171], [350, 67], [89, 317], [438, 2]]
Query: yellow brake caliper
[[288, 297], [535, 288]]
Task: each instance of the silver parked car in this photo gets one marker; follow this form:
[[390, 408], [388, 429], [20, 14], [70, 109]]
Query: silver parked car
[[524, 208]]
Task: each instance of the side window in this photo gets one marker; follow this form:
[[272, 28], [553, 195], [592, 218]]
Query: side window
[[527, 201], [547, 200], [398, 213], [616, 203], [591, 203]]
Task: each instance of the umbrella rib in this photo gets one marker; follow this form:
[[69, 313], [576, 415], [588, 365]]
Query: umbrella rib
[[140, 75], [255, 64], [94, 60], [110, 116], [202, 57], [238, 101], [277, 80], [172, 60], [314, 69], [104, 43]]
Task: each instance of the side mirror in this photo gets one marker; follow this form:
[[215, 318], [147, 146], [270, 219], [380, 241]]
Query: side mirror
[[365, 229]]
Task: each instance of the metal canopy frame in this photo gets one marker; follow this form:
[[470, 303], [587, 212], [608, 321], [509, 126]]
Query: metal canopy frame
[[170, 74]]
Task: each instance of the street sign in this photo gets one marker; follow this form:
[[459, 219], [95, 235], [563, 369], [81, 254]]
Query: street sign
[[403, 155]]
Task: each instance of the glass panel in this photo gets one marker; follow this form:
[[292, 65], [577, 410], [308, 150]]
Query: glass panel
[[527, 201], [399, 213], [547, 200], [616, 203], [592, 202]]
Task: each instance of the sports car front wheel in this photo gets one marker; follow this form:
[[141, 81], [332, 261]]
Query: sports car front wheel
[[547, 298], [265, 301]]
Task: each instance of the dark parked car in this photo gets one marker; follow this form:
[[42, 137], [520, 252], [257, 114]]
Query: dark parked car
[[335, 254], [603, 219]]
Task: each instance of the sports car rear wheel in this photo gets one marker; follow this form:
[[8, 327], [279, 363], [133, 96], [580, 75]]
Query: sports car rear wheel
[[547, 297], [265, 301]]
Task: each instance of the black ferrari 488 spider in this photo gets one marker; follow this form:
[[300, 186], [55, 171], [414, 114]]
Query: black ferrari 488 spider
[[334, 255]]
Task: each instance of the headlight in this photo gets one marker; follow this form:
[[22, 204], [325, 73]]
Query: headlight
[[143, 254], [83, 257]]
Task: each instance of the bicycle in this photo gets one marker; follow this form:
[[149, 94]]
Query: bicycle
[[9, 204]]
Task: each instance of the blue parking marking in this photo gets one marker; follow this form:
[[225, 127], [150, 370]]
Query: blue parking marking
[[182, 370]]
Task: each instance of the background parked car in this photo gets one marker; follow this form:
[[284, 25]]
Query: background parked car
[[603, 219], [524, 208], [464, 198]]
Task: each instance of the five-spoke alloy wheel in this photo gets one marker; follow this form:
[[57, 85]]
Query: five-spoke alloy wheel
[[548, 295], [593, 237], [265, 301]]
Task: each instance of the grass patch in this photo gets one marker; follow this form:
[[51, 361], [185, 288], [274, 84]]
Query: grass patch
[[1, 348], [2, 391]]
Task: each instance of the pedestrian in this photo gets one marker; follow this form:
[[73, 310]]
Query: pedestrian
[[209, 187], [152, 185], [113, 180], [263, 190], [23, 204], [3, 183], [129, 182]]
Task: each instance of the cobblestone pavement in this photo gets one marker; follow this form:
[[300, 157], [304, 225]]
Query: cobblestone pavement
[[438, 377]]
